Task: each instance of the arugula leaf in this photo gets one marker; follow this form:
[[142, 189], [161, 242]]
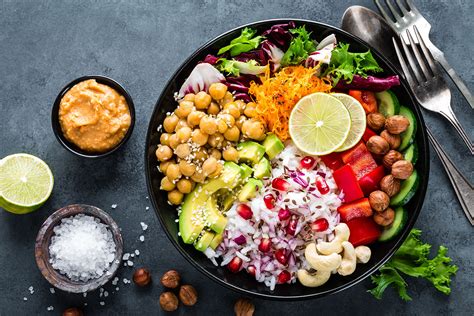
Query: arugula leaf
[[344, 64], [235, 68], [300, 47], [412, 259], [242, 44]]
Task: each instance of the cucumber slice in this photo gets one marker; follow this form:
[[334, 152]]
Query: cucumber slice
[[408, 136], [411, 153], [388, 103], [408, 188], [396, 227]]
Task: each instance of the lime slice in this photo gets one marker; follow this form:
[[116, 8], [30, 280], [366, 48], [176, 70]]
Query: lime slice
[[319, 124], [358, 121], [26, 183]]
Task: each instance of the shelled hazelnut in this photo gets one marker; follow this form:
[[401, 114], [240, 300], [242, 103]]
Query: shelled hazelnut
[[379, 200], [244, 307], [377, 145], [376, 121], [168, 301], [391, 157], [188, 295], [390, 185], [396, 124], [384, 218], [171, 279], [402, 169], [142, 277], [392, 139]]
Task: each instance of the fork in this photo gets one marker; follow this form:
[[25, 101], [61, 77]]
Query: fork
[[410, 17], [428, 86]]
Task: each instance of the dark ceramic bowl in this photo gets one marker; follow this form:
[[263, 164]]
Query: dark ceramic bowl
[[43, 240], [57, 126], [242, 282]]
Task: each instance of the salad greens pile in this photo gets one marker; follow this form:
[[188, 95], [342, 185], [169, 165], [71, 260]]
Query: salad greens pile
[[412, 259], [300, 47]]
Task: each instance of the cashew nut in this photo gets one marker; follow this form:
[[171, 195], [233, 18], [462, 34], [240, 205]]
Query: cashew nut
[[341, 232], [321, 262], [313, 279], [363, 254], [348, 264]]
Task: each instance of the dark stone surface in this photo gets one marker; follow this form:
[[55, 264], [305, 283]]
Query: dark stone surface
[[45, 44]]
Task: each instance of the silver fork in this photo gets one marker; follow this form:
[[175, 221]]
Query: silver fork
[[428, 86], [405, 19]]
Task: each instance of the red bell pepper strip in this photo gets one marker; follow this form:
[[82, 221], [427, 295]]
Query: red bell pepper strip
[[347, 182], [360, 159], [359, 208], [364, 231], [370, 182], [366, 98], [367, 134], [332, 161]]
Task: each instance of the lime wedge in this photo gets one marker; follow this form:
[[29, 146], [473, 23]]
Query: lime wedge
[[358, 121], [319, 124], [26, 183]]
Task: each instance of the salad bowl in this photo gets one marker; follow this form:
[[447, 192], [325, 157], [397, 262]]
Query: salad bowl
[[242, 282]]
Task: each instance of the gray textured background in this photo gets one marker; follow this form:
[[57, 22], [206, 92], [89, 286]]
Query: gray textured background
[[45, 44]]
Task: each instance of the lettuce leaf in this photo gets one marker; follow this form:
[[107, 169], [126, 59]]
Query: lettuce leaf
[[235, 68], [244, 43], [300, 47]]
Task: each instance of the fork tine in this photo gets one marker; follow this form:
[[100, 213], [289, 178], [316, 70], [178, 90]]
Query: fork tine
[[426, 53], [405, 69], [384, 12], [411, 6], [393, 10], [418, 57], [402, 7], [411, 61]]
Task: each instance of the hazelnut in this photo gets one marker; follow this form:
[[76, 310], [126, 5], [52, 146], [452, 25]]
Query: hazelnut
[[188, 295], [384, 218], [171, 279], [402, 169], [73, 311], [377, 145], [390, 185], [396, 124], [392, 139], [142, 277], [379, 200], [168, 301], [244, 307], [376, 121], [391, 157]]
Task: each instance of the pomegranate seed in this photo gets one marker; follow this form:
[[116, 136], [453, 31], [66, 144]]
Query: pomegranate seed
[[251, 270], [283, 214], [280, 184], [291, 227], [244, 211], [265, 245], [234, 265], [320, 225], [284, 277], [281, 257], [269, 200], [322, 186], [307, 162]]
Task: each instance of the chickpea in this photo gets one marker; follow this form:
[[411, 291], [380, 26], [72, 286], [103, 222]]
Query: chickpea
[[175, 197], [230, 154], [199, 137], [232, 134], [163, 153], [184, 134], [194, 118], [228, 119], [170, 122], [202, 100], [189, 97], [186, 168], [200, 155], [208, 125], [250, 110], [184, 186], [240, 105], [166, 184], [216, 140], [165, 139], [184, 108], [221, 126], [164, 165], [242, 119], [233, 109], [215, 153], [217, 90], [181, 123], [198, 176], [183, 151], [253, 129], [213, 109], [227, 98], [218, 171], [173, 141], [209, 166], [172, 172]]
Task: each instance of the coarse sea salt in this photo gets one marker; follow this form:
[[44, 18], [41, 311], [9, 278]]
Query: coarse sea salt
[[82, 248]]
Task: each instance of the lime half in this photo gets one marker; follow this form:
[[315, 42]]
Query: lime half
[[358, 121], [26, 183], [319, 124]]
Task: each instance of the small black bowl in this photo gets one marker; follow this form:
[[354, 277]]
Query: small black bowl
[[57, 126]]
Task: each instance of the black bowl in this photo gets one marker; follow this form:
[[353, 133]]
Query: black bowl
[[242, 282], [57, 126]]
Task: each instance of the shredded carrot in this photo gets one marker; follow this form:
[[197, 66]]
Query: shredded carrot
[[277, 95]]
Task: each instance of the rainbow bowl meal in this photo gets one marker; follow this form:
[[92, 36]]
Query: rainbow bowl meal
[[285, 159]]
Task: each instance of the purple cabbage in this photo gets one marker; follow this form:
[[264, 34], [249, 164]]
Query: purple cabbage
[[370, 83], [240, 240], [272, 53], [202, 76], [211, 59], [257, 55], [279, 34]]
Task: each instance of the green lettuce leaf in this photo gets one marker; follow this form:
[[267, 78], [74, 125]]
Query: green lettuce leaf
[[242, 44], [300, 47], [235, 68], [389, 276]]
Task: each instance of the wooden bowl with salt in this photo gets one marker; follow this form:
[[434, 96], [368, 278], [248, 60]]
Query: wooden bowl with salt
[[43, 241]]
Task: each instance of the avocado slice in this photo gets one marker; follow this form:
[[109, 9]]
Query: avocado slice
[[193, 216], [228, 201], [262, 169], [250, 189], [250, 152], [247, 171], [216, 241], [273, 145], [215, 219], [204, 241]]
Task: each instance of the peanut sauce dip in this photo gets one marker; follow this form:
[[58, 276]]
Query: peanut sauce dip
[[94, 116]]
